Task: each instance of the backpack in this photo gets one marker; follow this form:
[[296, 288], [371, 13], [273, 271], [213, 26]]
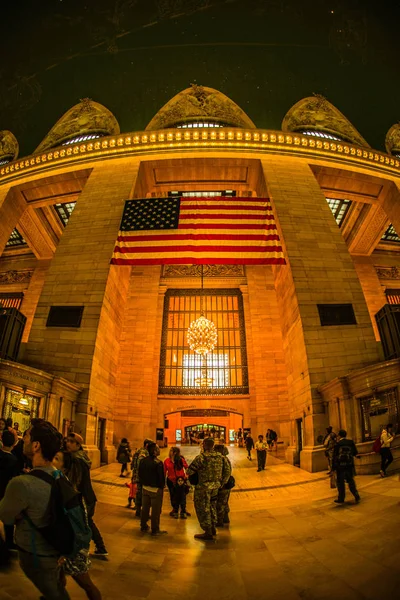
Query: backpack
[[344, 457], [377, 445], [68, 531]]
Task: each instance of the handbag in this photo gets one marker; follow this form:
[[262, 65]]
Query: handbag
[[230, 483], [194, 478], [333, 481]]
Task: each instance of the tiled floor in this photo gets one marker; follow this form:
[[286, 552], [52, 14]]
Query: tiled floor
[[287, 541]]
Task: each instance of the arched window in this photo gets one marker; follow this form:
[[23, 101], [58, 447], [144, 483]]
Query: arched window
[[321, 134], [83, 138]]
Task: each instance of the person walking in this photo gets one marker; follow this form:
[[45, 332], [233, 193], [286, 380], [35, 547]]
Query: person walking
[[175, 466], [152, 480], [213, 472], [78, 567], [329, 445], [261, 448], [124, 456], [26, 499], [224, 492], [387, 438], [249, 443], [343, 463], [139, 454], [74, 446]]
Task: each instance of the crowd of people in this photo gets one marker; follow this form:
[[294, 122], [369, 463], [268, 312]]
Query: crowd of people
[[34, 508], [47, 502]]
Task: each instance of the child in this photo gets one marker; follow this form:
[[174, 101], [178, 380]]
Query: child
[[132, 493], [179, 492]]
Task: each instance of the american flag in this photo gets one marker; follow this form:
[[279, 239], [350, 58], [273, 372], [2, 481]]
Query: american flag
[[217, 230]]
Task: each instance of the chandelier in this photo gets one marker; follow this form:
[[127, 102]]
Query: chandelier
[[202, 334]]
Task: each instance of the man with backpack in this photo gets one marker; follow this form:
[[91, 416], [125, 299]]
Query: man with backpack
[[343, 463], [26, 503]]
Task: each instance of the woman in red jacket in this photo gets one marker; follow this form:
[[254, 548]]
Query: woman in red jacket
[[174, 467]]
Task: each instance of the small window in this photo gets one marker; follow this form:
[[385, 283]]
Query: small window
[[336, 314], [11, 299], [65, 316], [339, 209], [390, 235], [16, 239]]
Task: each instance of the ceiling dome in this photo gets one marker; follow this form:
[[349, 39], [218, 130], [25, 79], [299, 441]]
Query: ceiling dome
[[8, 147], [315, 115], [392, 141], [199, 104], [86, 119]]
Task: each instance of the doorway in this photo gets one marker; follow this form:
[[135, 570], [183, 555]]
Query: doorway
[[218, 423], [101, 439], [299, 441]]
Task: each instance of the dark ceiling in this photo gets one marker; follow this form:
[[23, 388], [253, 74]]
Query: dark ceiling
[[134, 55]]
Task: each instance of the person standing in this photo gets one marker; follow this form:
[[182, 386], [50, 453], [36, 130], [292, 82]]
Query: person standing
[[175, 466], [249, 442], [8, 470], [261, 448], [343, 463], [152, 480], [139, 454], [387, 438], [213, 471], [124, 456], [224, 492], [329, 445], [28, 497], [74, 446]]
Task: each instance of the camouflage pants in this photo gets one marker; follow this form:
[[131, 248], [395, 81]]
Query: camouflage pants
[[205, 504], [223, 505]]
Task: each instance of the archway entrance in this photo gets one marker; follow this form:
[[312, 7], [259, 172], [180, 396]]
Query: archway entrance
[[198, 422]]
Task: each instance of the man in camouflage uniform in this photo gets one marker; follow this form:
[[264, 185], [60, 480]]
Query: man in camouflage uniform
[[213, 471], [223, 494], [137, 457]]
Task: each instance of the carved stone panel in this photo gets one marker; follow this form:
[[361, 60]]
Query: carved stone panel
[[387, 272], [208, 271], [16, 277]]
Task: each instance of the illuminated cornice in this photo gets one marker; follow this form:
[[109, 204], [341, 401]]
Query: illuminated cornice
[[169, 141]]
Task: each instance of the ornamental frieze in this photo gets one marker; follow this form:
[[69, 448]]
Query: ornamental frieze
[[388, 272], [208, 271], [16, 277]]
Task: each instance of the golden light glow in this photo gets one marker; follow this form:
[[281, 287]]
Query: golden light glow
[[202, 336]]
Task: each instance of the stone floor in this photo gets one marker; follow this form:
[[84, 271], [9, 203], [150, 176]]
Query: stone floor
[[287, 540]]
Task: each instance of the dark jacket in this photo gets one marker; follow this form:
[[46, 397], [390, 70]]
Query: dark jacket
[[151, 472], [8, 470], [343, 455], [124, 453], [249, 442], [85, 485]]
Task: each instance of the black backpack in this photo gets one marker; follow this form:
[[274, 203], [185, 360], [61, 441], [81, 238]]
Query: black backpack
[[68, 531], [344, 458]]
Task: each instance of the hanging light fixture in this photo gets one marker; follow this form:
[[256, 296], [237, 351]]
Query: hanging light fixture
[[24, 401], [202, 334]]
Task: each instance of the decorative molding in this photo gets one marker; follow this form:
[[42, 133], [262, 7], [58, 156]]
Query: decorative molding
[[178, 140], [16, 277], [199, 103], [8, 145], [388, 272], [82, 119], [208, 271], [316, 113]]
